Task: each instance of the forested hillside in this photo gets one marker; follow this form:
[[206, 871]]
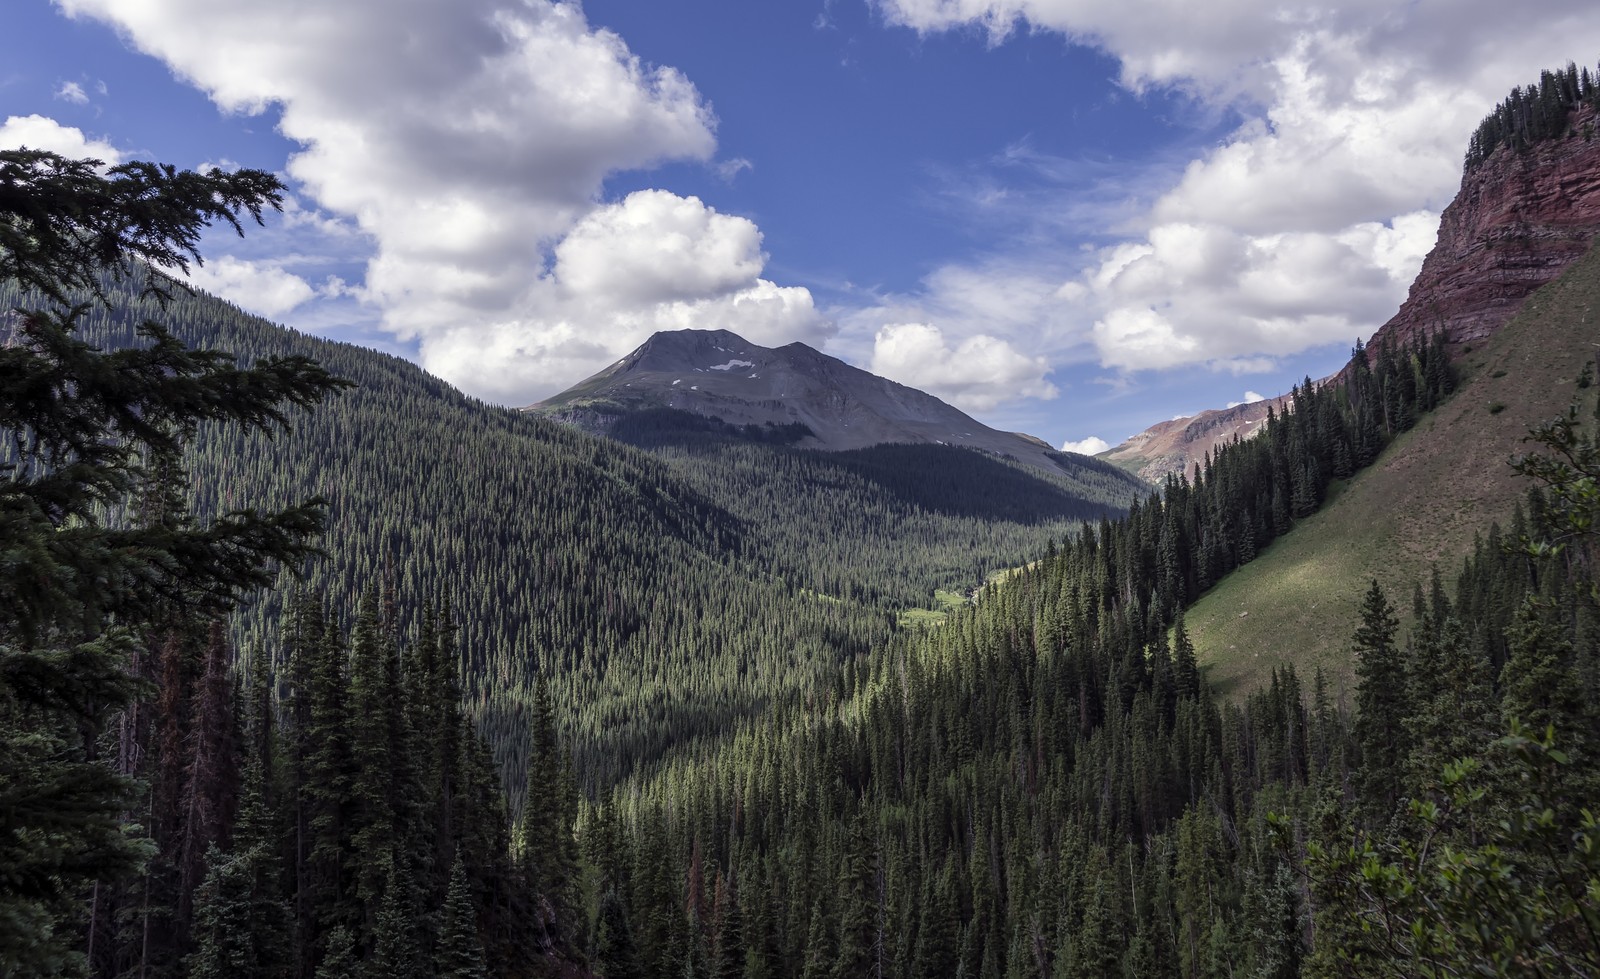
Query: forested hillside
[[669, 600], [887, 524]]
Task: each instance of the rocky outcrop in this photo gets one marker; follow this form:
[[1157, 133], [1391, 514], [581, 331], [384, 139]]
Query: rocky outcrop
[[1517, 222]]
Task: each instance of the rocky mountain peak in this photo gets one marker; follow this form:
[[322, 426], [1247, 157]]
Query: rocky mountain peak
[[717, 374]]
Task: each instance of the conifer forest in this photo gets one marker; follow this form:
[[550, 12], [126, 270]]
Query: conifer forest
[[312, 667]]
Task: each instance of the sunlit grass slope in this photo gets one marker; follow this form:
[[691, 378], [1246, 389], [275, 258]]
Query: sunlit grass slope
[[1419, 505]]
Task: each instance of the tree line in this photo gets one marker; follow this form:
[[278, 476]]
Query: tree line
[[1532, 114]]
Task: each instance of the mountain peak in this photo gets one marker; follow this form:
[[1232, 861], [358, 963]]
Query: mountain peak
[[720, 375]]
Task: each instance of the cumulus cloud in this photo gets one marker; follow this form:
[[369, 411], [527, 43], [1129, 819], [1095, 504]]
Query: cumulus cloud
[[1250, 398], [1308, 223], [263, 288], [979, 335], [1093, 445], [977, 374], [36, 132], [1192, 293], [470, 141]]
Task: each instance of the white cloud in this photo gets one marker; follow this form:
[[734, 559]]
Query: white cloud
[[1192, 293], [1250, 398], [1308, 223], [977, 374], [72, 92], [36, 132], [657, 247], [728, 169], [1093, 445], [979, 336], [258, 287], [653, 261], [470, 141]]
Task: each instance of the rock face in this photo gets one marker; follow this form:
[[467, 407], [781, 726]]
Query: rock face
[[1518, 221], [718, 374]]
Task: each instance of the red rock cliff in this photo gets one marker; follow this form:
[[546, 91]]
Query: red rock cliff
[[1517, 222]]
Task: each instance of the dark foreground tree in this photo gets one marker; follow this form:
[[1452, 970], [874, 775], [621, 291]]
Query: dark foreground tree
[[83, 581]]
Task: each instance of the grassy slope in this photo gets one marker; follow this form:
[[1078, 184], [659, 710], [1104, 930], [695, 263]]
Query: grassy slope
[[1418, 505]]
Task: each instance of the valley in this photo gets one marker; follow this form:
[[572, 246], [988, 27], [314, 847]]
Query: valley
[[741, 662]]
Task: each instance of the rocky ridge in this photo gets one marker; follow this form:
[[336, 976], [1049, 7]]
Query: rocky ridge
[[1181, 443]]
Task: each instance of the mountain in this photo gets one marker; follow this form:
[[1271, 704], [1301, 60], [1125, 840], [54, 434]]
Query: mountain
[[1178, 445], [792, 392], [1521, 217], [916, 498]]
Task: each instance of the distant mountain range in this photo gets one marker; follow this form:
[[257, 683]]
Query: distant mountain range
[[791, 393]]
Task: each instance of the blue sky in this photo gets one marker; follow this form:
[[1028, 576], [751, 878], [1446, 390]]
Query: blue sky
[[1070, 218]]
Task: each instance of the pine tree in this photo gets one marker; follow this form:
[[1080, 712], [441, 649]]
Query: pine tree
[[341, 960], [1452, 700], [1381, 707], [856, 939], [818, 950], [326, 789], [373, 838], [546, 847], [616, 955], [222, 921], [1185, 672], [460, 954], [395, 952]]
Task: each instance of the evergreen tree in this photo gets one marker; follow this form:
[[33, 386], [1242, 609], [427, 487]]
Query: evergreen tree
[[616, 955], [1381, 704], [85, 426], [340, 960], [460, 954], [545, 844], [222, 919]]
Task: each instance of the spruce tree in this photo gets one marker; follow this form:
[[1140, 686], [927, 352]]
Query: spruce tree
[[222, 921]]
